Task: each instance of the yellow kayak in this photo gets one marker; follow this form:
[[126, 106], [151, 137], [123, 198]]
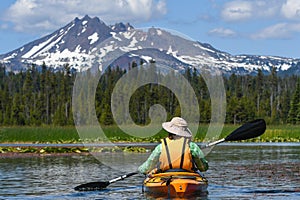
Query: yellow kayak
[[176, 184]]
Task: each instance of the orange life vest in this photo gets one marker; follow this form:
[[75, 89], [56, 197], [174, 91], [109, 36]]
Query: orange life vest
[[175, 154]]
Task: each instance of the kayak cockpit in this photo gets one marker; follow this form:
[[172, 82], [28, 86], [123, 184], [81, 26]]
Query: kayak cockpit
[[176, 184]]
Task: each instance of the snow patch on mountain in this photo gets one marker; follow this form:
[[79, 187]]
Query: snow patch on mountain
[[129, 34], [94, 38], [159, 32], [114, 36], [84, 22], [37, 48]]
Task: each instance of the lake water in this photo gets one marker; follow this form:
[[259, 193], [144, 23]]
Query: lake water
[[236, 172]]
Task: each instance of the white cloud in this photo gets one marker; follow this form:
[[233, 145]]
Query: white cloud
[[278, 31], [222, 32], [291, 9], [237, 10], [281, 13], [241, 10], [46, 15]]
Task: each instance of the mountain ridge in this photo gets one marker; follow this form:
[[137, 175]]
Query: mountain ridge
[[82, 41]]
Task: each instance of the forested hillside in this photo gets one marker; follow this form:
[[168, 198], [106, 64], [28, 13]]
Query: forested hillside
[[44, 97]]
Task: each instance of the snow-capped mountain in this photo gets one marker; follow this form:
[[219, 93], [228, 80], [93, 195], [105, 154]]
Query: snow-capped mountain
[[84, 42], [71, 44]]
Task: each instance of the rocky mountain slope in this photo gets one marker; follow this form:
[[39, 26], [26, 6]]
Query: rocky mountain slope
[[84, 42]]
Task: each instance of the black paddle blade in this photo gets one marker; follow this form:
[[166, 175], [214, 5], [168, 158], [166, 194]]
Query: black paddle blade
[[247, 131], [92, 186]]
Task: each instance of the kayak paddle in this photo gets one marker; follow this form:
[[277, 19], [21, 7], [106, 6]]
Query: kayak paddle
[[247, 131], [92, 186]]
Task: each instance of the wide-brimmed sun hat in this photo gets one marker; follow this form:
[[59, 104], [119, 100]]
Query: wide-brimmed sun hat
[[177, 126]]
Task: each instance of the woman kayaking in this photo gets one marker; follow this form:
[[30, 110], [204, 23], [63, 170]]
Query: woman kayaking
[[173, 167], [176, 152]]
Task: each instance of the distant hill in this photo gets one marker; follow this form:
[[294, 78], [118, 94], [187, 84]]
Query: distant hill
[[89, 40]]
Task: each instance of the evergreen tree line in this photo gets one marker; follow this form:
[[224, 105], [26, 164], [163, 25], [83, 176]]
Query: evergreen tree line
[[36, 96], [43, 96]]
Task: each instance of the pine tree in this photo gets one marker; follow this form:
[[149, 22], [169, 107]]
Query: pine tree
[[18, 117], [28, 96], [259, 90], [294, 112], [274, 98]]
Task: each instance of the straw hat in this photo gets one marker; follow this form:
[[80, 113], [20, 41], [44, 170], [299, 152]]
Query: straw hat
[[177, 126]]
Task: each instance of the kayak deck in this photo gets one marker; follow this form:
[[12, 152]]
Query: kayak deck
[[176, 184]]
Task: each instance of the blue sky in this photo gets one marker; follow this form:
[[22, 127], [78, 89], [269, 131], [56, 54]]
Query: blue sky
[[258, 27]]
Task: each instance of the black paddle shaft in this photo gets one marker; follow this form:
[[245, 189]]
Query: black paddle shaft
[[122, 177]]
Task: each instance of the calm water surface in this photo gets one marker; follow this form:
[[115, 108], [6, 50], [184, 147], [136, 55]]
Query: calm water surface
[[236, 172]]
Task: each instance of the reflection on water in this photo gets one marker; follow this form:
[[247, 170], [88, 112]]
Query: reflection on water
[[236, 172]]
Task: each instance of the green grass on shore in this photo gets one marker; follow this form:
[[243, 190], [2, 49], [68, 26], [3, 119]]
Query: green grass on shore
[[49, 134], [280, 133], [38, 134]]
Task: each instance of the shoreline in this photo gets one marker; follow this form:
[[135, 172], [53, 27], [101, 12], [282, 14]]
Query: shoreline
[[38, 155], [136, 144], [28, 150]]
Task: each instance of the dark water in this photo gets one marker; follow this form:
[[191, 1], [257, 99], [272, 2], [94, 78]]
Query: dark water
[[236, 172]]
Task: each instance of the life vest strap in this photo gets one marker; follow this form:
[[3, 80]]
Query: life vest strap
[[182, 153], [168, 154]]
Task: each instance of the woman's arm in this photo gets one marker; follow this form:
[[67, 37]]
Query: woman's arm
[[198, 157], [151, 162]]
